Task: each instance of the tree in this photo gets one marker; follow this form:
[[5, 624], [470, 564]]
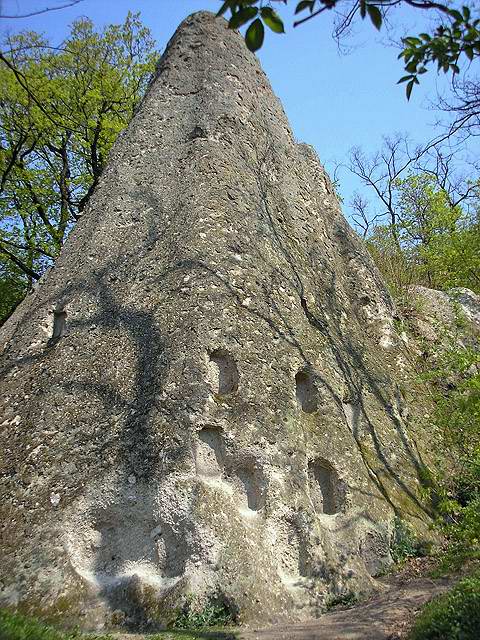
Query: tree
[[423, 224], [62, 109], [455, 38], [383, 171], [433, 242]]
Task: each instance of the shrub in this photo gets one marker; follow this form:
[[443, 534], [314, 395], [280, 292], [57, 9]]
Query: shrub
[[214, 614], [345, 600], [404, 543], [452, 616]]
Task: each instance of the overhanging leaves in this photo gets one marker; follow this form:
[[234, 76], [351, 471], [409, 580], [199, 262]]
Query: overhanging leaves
[[255, 35]]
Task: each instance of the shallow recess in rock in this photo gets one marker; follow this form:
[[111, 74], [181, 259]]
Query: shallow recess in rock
[[306, 392], [210, 453], [326, 490], [254, 486], [115, 542], [59, 325], [223, 372]]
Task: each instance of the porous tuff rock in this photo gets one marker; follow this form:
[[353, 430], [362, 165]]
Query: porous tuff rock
[[204, 396], [444, 318]]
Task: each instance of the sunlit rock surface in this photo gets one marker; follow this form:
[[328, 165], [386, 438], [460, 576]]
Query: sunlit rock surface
[[207, 396]]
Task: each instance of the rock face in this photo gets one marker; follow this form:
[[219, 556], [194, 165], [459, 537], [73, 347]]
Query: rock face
[[206, 397], [445, 318]]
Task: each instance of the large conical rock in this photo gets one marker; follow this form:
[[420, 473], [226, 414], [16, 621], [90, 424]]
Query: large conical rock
[[204, 397]]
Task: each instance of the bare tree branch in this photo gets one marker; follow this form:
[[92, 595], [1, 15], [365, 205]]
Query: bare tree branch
[[72, 3], [382, 171], [20, 264]]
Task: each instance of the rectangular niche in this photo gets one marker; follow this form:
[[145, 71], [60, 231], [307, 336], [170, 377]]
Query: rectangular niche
[[223, 372], [306, 391], [210, 453], [326, 489], [59, 326]]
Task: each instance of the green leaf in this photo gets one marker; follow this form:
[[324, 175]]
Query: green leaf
[[363, 8], [471, 35], [469, 53], [272, 19], [375, 15], [409, 88], [456, 14], [304, 4], [241, 17], [404, 79], [255, 35]]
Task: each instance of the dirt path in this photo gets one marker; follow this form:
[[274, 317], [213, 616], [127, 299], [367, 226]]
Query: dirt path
[[386, 616], [383, 617]]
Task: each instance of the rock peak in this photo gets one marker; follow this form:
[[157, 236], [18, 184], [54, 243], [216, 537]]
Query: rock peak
[[203, 397]]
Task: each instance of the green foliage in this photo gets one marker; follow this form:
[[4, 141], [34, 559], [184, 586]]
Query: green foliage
[[399, 272], [441, 239], [433, 242], [457, 414], [453, 616], [244, 11], [404, 543], [456, 377], [13, 287], [14, 626], [345, 600], [436, 245], [452, 371], [463, 535], [456, 37], [62, 108], [214, 614]]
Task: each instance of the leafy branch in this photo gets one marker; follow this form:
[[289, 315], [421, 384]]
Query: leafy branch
[[457, 35]]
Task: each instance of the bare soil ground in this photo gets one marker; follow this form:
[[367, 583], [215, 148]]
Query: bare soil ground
[[385, 616]]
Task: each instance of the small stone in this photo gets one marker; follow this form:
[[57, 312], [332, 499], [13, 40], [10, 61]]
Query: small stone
[[55, 499]]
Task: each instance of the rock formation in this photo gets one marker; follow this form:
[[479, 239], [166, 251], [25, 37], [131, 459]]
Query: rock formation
[[206, 397]]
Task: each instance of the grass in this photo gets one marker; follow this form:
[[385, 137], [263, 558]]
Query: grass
[[452, 616], [14, 626]]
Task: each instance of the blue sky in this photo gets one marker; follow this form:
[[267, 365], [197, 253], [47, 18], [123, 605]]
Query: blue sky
[[333, 101]]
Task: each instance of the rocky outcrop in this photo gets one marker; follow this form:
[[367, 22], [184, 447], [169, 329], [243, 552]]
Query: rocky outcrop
[[444, 318], [206, 397]]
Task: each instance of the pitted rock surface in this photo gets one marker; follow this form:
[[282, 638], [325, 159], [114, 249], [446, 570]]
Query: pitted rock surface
[[206, 397], [445, 317]]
